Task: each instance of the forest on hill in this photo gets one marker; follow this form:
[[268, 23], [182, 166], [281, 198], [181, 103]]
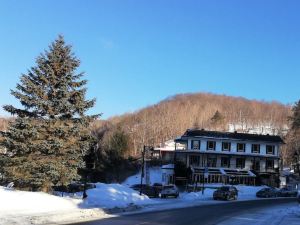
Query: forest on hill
[[120, 139], [170, 118], [156, 124]]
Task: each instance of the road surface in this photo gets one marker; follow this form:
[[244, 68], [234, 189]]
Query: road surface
[[198, 215]]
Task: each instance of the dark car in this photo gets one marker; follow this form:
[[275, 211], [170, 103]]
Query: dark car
[[146, 190], [267, 193], [285, 192], [158, 187], [298, 197], [226, 193], [137, 187]]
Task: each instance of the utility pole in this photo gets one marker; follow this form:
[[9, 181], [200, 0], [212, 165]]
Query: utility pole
[[142, 174], [145, 149]]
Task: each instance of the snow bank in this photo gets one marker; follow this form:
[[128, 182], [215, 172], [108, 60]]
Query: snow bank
[[23, 202], [113, 195], [248, 192], [23, 207], [192, 196]]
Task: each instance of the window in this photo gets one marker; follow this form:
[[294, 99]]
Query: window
[[255, 148], [211, 145], [195, 144], [225, 162], [226, 146], [240, 163], [194, 160], [212, 161], [240, 147], [256, 165], [270, 149], [270, 164]]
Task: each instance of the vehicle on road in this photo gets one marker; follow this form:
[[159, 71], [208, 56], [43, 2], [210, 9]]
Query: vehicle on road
[[158, 187], [226, 193], [285, 192], [268, 192], [169, 191]]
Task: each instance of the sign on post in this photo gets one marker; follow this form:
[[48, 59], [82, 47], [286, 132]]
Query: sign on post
[[205, 177]]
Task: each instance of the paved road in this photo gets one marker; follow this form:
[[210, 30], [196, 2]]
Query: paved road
[[205, 214]]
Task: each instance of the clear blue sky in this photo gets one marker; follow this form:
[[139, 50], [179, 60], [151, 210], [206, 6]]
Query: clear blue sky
[[136, 53]]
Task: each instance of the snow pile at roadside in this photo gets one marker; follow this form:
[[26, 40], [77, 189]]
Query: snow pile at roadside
[[248, 192], [192, 196], [155, 177], [114, 195], [23, 202], [23, 207]]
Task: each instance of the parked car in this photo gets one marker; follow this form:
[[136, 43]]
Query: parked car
[[137, 187], [169, 190], [146, 190], [267, 193], [226, 193], [285, 192], [158, 187], [73, 187]]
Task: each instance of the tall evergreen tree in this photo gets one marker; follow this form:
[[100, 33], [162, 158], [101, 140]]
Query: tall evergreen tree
[[293, 136], [296, 116], [217, 118], [47, 141]]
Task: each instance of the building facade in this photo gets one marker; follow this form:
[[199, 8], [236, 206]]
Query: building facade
[[228, 157]]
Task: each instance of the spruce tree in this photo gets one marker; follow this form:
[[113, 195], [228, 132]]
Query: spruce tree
[[49, 137], [217, 118], [296, 116]]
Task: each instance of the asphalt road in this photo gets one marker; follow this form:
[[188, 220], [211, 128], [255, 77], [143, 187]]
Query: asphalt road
[[205, 214]]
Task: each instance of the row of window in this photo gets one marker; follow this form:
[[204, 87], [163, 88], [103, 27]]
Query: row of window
[[240, 147], [225, 162]]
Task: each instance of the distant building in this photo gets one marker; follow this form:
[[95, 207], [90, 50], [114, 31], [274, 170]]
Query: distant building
[[166, 152], [229, 157]]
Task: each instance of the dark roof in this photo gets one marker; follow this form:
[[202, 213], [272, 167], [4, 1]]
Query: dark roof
[[232, 135]]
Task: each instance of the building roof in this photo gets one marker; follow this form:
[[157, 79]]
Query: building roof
[[231, 135]]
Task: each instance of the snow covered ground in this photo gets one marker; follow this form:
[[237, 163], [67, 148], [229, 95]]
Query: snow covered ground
[[20, 207]]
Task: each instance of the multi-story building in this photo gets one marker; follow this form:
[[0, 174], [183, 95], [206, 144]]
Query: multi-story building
[[227, 157]]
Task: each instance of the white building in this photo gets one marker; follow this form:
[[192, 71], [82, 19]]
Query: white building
[[228, 156]]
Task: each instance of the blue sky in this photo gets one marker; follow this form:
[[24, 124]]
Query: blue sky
[[137, 52]]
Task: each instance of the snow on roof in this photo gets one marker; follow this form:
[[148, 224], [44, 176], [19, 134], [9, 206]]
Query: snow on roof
[[168, 166], [232, 135]]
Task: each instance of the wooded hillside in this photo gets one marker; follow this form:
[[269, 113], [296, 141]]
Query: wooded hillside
[[169, 118]]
